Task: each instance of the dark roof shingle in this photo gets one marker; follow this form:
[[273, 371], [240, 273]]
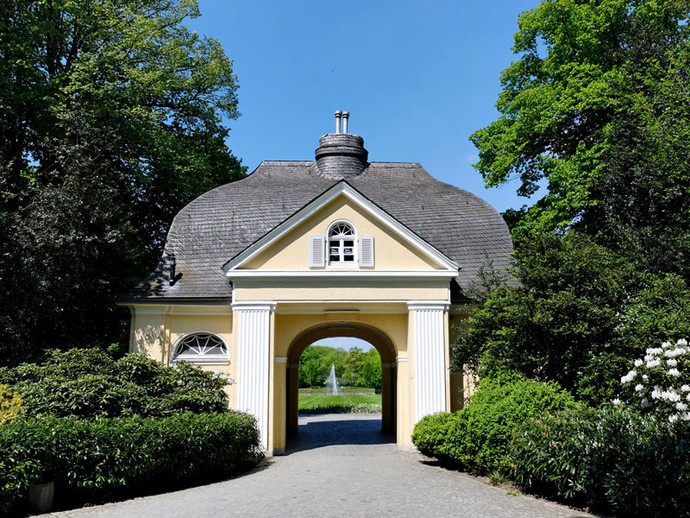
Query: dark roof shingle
[[224, 221]]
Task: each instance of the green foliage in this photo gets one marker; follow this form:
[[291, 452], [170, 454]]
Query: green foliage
[[577, 316], [560, 322], [354, 362], [611, 459], [596, 108], [104, 459], [477, 437], [371, 375], [87, 383], [434, 432], [659, 311], [110, 122], [10, 404]]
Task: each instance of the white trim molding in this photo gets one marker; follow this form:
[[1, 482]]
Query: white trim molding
[[253, 343], [428, 321], [343, 274]]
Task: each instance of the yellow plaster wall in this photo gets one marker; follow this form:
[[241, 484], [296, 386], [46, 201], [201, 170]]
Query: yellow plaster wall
[[289, 326], [157, 330], [291, 251], [355, 290]]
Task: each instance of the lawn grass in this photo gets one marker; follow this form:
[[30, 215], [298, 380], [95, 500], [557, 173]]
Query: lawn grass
[[315, 401]]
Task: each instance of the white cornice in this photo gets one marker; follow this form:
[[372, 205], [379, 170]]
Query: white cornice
[[342, 274], [341, 188]]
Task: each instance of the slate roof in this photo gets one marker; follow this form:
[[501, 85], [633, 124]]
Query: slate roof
[[221, 223]]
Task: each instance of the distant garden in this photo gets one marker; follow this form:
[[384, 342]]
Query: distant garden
[[357, 373]]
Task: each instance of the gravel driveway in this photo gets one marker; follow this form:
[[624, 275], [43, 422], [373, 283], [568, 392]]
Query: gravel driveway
[[340, 465]]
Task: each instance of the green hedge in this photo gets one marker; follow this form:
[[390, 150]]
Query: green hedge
[[477, 437], [610, 459], [89, 383], [103, 459]]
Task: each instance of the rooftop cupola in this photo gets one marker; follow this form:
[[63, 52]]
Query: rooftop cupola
[[341, 155]]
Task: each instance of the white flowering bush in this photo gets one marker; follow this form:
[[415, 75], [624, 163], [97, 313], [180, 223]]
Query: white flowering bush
[[660, 383]]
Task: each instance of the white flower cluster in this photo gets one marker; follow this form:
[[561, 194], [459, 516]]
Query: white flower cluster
[[658, 374]]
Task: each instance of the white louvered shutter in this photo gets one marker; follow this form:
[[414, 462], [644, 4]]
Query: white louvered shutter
[[317, 252], [366, 251]]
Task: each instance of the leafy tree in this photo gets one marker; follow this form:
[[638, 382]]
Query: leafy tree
[[110, 122], [311, 373], [560, 322], [597, 108], [354, 363], [658, 312], [370, 375]]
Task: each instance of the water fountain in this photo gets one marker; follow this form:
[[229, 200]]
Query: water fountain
[[332, 387]]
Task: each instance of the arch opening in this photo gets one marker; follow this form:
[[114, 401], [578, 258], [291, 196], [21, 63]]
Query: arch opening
[[377, 339]]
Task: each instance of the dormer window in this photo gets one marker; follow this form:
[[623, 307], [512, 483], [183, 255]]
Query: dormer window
[[341, 247], [341, 243]]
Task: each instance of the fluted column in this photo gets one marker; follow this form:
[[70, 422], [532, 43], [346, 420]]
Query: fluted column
[[429, 331], [253, 343]]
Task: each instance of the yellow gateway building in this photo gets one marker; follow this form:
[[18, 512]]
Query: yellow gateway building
[[255, 271]]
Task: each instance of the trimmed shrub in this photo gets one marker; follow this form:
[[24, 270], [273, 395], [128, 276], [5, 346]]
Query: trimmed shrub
[[10, 404], [477, 437], [434, 431], [87, 383], [102, 459], [611, 459]]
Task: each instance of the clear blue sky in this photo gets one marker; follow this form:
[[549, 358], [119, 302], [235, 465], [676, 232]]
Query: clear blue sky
[[418, 78]]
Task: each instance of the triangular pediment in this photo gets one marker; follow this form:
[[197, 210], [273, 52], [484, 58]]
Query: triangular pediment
[[287, 246]]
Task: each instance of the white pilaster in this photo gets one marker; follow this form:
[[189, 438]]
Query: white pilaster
[[428, 321], [253, 344]]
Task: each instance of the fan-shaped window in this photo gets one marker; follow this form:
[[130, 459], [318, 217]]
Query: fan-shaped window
[[341, 243], [201, 348]]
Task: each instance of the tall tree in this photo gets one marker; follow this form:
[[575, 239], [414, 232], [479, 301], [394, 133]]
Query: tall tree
[[596, 109], [110, 121]]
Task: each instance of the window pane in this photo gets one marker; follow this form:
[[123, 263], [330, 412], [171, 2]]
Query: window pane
[[201, 345]]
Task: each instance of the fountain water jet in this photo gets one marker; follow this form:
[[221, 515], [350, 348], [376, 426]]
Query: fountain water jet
[[332, 387]]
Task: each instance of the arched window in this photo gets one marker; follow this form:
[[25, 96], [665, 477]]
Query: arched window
[[201, 348], [341, 243]]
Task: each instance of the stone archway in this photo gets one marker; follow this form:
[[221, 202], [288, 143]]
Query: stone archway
[[370, 334]]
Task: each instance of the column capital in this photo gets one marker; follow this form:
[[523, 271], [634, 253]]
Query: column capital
[[254, 306], [427, 305]]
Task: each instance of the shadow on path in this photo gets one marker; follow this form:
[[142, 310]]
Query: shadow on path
[[318, 431]]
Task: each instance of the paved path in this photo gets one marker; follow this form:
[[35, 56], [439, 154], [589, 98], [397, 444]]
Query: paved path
[[340, 466]]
